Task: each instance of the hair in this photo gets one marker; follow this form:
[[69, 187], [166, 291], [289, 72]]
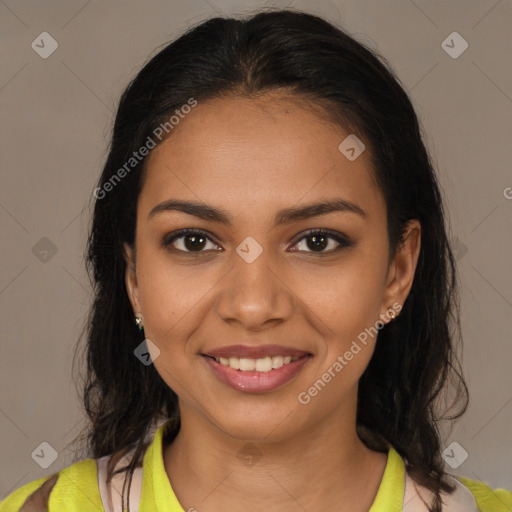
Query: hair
[[309, 60]]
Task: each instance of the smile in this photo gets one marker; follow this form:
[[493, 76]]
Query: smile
[[263, 364], [256, 375]]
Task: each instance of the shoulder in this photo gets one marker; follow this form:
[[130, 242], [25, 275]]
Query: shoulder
[[14, 501], [487, 498], [77, 484], [468, 496]]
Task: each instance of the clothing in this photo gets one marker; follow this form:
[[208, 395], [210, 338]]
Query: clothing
[[78, 488]]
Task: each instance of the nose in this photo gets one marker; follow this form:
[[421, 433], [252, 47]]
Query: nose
[[255, 293]]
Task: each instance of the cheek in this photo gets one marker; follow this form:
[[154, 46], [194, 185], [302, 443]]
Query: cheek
[[172, 299], [344, 305], [347, 297], [171, 294], [345, 309]]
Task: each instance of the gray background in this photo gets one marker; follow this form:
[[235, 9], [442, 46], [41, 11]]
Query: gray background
[[56, 118]]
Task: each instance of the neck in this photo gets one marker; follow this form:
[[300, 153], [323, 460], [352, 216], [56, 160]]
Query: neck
[[208, 469]]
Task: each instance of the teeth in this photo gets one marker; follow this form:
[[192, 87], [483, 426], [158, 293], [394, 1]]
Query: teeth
[[264, 364], [277, 362], [247, 365]]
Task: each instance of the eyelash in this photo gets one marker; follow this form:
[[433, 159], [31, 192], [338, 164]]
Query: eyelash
[[343, 241]]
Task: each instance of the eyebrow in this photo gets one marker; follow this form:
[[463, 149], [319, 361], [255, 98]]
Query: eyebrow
[[285, 216]]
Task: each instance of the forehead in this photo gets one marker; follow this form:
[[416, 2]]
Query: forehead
[[257, 154]]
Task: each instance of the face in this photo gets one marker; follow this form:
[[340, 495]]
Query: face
[[253, 282]]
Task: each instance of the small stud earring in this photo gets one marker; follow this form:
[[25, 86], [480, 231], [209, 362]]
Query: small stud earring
[[138, 321], [392, 313]]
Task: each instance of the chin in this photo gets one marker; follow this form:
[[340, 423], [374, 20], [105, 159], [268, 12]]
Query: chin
[[255, 428]]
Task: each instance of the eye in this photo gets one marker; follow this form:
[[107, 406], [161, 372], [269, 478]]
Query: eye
[[190, 240], [322, 239], [196, 241]]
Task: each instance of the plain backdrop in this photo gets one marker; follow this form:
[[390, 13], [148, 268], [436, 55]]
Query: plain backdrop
[[57, 114]]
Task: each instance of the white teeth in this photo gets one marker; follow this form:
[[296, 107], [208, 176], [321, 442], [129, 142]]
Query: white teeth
[[277, 361], [263, 364], [247, 365]]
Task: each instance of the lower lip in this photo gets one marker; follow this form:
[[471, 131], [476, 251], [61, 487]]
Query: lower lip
[[256, 382]]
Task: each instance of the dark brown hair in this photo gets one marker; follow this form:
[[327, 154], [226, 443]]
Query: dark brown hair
[[401, 391]]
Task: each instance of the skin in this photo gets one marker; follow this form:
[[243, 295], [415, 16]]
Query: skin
[[252, 158]]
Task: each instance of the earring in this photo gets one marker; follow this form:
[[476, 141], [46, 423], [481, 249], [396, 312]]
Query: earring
[[138, 321], [392, 313]]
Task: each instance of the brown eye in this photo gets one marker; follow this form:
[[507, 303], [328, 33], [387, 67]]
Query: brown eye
[[188, 240], [320, 240]]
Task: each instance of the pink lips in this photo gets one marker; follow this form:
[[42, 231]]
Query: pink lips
[[253, 381]]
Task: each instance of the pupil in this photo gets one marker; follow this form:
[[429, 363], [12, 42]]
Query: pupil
[[194, 239], [317, 242]]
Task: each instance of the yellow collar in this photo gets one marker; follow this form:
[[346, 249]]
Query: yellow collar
[[157, 493]]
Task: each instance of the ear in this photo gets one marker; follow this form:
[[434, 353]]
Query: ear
[[131, 278], [401, 270]]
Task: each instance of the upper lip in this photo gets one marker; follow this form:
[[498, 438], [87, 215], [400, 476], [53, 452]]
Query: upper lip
[[255, 352]]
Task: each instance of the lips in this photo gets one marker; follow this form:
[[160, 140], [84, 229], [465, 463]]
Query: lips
[[256, 381], [252, 352]]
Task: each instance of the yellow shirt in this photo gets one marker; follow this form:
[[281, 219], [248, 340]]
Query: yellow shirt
[[77, 488]]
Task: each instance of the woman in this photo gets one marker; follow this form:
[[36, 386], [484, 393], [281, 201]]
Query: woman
[[273, 286]]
